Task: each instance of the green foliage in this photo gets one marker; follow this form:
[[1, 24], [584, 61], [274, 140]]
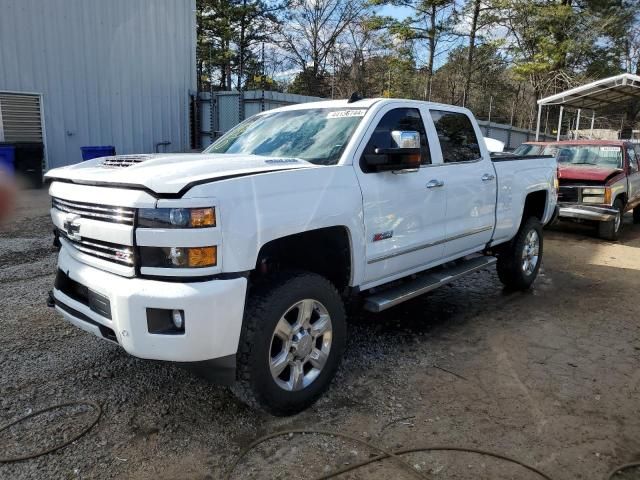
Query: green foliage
[[227, 33], [557, 40], [506, 53]]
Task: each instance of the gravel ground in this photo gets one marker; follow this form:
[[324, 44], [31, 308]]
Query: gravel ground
[[550, 377]]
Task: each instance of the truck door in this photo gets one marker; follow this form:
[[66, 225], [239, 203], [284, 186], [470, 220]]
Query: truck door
[[403, 215], [469, 182], [633, 158]]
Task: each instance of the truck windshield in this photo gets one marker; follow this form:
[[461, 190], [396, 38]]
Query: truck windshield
[[317, 135], [609, 156]]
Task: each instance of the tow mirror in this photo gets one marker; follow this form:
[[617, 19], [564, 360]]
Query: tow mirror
[[404, 156]]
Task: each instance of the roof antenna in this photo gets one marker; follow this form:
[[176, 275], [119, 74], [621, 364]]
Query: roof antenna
[[355, 96]]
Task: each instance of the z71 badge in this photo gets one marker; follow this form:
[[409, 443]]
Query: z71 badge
[[382, 235]]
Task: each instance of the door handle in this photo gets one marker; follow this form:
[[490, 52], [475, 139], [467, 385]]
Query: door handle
[[435, 183], [487, 177]]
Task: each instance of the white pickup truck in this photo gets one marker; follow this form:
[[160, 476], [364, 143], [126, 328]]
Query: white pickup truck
[[239, 261]]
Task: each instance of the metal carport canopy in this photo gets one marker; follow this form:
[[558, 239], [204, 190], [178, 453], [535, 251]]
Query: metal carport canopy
[[594, 95]]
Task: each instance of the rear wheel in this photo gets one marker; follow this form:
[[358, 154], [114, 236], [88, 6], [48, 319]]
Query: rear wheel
[[293, 337], [519, 261], [611, 230]]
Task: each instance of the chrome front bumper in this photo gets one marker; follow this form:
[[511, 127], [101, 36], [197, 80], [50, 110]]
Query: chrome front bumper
[[588, 212]]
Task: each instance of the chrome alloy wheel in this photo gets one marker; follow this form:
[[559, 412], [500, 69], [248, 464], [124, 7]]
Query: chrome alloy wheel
[[617, 222], [530, 252], [300, 345]]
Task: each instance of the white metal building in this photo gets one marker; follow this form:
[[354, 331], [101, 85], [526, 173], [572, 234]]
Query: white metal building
[[97, 72]]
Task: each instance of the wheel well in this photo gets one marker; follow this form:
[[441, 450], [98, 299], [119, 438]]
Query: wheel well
[[623, 197], [325, 251], [535, 205]]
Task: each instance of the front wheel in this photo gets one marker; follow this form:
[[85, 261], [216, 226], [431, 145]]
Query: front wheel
[[611, 230], [519, 261], [292, 340], [636, 215]]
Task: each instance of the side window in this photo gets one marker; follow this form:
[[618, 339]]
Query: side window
[[457, 137], [399, 119], [633, 159]]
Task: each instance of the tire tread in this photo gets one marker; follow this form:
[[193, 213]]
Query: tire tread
[[508, 266], [257, 308]]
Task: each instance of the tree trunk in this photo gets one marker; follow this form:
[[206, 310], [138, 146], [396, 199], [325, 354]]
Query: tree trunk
[[242, 48], [471, 51], [432, 45]]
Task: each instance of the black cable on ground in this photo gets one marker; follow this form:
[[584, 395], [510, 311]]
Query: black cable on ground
[[384, 454], [392, 454], [93, 405]]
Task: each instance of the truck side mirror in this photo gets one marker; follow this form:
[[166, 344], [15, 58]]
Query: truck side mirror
[[404, 156]]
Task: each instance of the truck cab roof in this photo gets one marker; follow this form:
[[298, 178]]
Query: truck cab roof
[[364, 103]]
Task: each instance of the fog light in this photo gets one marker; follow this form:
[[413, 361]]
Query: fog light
[[177, 318], [162, 321]]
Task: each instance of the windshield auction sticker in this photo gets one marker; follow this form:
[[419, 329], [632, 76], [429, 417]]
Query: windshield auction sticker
[[347, 113], [609, 149]]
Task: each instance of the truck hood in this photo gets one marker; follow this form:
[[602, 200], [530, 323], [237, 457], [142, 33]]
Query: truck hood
[[586, 172], [170, 173]]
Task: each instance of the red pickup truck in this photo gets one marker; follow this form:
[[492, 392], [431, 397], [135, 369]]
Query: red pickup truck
[[599, 180]]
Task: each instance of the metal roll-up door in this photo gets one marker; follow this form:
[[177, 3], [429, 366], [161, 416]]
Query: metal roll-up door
[[20, 119]]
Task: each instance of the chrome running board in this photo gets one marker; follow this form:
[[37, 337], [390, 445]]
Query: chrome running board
[[425, 282]]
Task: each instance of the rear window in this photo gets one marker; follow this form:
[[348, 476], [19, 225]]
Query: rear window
[[457, 137], [528, 150]]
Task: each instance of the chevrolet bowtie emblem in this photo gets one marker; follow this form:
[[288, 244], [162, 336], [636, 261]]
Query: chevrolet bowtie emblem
[[71, 228]]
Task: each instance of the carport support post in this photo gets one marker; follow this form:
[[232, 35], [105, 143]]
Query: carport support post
[[538, 122], [593, 119], [559, 123], [577, 124]]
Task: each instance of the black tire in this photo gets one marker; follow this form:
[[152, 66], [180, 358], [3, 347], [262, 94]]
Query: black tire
[[267, 304], [511, 270], [611, 230], [636, 215]]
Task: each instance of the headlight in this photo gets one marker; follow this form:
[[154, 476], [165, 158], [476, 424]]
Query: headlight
[[179, 257], [598, 200], [177, 217], [597, 195]]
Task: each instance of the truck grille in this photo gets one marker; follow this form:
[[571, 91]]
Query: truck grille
[[103, 213], [120, 254], [568, 194], [124, 160]]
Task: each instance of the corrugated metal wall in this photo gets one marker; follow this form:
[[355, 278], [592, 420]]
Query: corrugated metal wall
[[510, 135], [224, 110], [111, 72]]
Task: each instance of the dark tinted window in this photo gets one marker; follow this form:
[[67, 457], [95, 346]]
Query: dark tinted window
[[407, 119], [457, 137]]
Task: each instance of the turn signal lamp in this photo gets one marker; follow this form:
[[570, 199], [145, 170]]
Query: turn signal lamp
[[203, 257], [607, 196], [203, 217]]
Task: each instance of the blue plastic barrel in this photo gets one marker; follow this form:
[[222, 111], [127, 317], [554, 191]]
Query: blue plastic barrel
[[8, 158], [97, 151]]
